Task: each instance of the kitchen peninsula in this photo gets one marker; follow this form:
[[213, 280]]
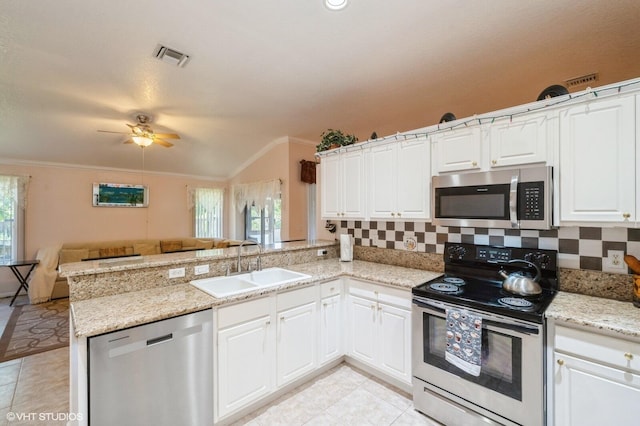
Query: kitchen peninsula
[[119, 294]]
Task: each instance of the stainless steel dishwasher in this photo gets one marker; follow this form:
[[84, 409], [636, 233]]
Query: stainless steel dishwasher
[[154, 374]]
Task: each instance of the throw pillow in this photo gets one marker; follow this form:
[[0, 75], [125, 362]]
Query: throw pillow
[[73, 255], [113, 251], [145, 249], [204, 244], [170, 245], [222, 244]]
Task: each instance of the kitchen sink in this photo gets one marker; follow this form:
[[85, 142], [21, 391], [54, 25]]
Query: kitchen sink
[[241, 283]]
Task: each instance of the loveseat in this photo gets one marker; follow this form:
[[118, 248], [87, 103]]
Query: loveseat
[[42, 290]]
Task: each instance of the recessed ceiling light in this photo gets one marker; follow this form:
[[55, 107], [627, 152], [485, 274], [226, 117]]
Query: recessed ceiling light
[[335, 4]]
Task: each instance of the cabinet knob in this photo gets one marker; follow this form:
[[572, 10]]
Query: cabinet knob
[[399, 215], [560, 362], [324, 304], [494, 162], [626, 216], [628, 356], [474, 163], [267, 323], [393, 214]]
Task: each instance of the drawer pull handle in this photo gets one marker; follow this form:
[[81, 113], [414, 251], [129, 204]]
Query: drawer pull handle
[[628, 356], [560, 362]]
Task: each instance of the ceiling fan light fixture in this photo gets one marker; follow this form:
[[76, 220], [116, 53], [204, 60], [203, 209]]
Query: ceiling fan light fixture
[[142, 141], [335, 4]]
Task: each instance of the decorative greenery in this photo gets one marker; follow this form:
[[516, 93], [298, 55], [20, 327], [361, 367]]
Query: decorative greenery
[[334, 138]]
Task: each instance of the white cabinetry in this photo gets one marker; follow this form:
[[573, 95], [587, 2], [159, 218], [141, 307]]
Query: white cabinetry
[[399, 180], [296, 346], [598, 161], [457, 150], [245, 355], [379, 321], [596, 379], [522, 139], [330, 321], [342, 190]]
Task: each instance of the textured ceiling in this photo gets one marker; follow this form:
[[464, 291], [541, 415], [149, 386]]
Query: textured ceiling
[[264, 70]]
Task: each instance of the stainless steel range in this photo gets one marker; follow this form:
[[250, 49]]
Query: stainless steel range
[[466, 315]]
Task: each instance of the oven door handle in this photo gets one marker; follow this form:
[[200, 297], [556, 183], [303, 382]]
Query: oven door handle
[[488, 320]]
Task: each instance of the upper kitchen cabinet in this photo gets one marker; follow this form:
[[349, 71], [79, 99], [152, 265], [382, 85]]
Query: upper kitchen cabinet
[[399, 175], [523, 139], [598, 161], [342, 190], [457, 150]]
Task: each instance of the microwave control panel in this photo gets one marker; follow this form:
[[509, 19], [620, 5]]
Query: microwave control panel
[[531, 201]]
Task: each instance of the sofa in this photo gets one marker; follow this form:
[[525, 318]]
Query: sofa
[[40, 289]]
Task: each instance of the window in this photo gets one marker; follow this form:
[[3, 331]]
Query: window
[[264, 225], [207, 208], [13, 194]]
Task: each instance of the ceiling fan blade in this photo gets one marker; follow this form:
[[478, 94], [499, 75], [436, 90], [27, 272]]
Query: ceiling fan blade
[[162, 142], [128, 141], [109, 131], [167, 135]]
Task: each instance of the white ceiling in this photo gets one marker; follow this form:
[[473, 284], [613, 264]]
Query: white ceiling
[[263, 70]]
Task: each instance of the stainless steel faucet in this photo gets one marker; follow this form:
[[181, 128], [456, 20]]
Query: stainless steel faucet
[[239, 263]]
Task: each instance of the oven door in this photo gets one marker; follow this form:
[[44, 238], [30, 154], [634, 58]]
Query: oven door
[[509, 389]]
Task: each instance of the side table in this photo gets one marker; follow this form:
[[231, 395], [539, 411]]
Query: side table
[[14, 265]]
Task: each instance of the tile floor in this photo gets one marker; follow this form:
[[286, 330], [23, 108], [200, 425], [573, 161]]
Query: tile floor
[[34, 384], [342, 396]]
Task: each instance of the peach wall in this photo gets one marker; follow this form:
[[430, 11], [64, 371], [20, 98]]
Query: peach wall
[[60, 207]]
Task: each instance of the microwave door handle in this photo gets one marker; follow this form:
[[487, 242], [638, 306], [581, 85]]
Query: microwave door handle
[[513, 200]]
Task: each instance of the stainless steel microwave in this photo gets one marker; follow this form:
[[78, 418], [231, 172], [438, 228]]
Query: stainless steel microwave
[[508, 199]]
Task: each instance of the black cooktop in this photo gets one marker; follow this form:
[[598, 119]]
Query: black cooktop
[[471, 280]]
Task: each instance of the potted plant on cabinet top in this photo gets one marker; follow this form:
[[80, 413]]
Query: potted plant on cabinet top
[[334, 139]]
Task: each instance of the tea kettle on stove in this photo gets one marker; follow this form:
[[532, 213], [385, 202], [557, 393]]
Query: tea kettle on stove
[[520, 284]]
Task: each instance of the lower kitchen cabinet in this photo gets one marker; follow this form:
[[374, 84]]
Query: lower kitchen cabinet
[[296, 346], [331, 336], [596, 379], [379, 323], [246, 350]]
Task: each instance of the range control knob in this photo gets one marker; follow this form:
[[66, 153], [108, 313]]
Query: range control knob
[[457, 252]]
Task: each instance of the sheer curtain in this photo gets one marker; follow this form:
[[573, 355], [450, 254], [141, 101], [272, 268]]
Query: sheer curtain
[[13, 201], [207, 205]]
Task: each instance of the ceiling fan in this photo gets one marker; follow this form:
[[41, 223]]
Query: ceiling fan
[[143, 135]]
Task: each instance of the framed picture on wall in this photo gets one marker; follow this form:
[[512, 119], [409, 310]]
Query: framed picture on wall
[[120, 195]]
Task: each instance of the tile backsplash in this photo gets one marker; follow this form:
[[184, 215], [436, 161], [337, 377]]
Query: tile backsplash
[[578, 247]]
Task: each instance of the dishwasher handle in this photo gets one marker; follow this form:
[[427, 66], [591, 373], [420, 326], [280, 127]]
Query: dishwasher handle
[[160, 339]]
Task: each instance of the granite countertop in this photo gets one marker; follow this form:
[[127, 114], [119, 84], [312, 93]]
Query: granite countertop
[[171, 259], [604, 315], [110, 313]]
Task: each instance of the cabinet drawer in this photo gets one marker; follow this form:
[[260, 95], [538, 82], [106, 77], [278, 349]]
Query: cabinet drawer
[[330, 288], [389, 295], [241, 312], [297, 297], [606, 349]]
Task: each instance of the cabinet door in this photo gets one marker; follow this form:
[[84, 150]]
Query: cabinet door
[[362, 328], [330, 335], [458, 149], [353, 185], [394, 341], [331, 186], [588, 393], [520, 140], [597, 161], [413, 174], [245, 364], [382, 175], [296, 343]]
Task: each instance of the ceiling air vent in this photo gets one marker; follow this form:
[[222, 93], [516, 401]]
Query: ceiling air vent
[[170, 56], [584, 79]]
